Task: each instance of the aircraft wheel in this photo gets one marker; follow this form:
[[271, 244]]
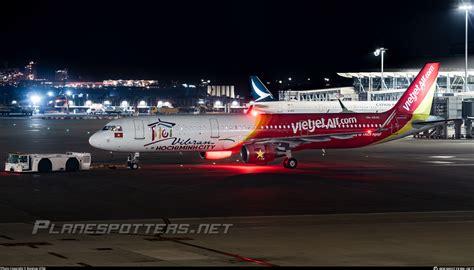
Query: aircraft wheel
[[291, 163], [134, 166]]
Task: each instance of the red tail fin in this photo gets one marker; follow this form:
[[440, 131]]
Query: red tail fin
[[418, 98]]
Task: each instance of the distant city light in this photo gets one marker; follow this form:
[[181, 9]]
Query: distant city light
[[107, 103], [235, 103], [289, 79], [142, 103], [160, 104], [201, 101], [50, 94], [88, 103], [167, 104], [218, 103], [465, 7], [309, 79], [68, 92], [124, 103], [280, 81], [14, 102], [35, 99], [70, 103], [326, 79]]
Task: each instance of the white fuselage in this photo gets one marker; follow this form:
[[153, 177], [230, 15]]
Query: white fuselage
[[198, 133], [323, 106]]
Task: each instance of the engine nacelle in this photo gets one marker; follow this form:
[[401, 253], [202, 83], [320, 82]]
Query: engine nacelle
[[259, 153], [215, 155]]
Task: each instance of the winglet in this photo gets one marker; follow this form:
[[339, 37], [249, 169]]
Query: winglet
[[343, 107]]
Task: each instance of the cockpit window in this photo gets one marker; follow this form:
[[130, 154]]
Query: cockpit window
[[113, 128]]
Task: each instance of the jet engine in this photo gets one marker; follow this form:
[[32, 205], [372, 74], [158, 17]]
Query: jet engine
[[259, 153]]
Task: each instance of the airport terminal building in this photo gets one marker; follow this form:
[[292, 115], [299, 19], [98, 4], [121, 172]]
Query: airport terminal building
[[453, 99]]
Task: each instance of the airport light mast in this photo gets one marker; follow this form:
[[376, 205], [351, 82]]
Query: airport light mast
[[466, 8], [381, 51]]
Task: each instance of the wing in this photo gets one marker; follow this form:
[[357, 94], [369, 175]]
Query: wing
[[300, 140]]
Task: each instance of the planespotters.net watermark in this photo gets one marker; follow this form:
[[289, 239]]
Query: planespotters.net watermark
[[22, 268], [130, 228]]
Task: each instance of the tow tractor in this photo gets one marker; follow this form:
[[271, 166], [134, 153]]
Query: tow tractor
[[69, 162]]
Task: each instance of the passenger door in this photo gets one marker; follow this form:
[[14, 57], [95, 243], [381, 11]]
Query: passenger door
[[214, 128], [139, 129]]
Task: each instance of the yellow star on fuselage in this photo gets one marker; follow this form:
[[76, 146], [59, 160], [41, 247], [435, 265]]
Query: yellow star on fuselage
[[260, 154]]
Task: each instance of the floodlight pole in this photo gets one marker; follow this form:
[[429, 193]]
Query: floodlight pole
[[465, 45], [381, 69]]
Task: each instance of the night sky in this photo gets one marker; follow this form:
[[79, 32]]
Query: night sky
[[225, 40]]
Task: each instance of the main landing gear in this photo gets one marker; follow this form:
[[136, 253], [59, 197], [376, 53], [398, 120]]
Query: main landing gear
[[132, 161], [290, 162]]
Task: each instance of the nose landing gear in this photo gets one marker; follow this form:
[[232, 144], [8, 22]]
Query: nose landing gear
[[132, 161]]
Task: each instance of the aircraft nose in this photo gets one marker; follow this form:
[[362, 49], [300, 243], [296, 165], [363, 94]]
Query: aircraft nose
[[94, 140]]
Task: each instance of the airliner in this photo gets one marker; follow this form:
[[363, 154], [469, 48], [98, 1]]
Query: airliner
[[265, 102], [262, 137]]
